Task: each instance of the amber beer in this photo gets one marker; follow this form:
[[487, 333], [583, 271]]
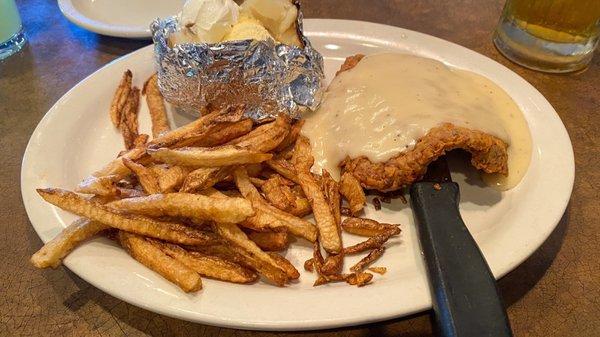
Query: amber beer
[[549, 35]]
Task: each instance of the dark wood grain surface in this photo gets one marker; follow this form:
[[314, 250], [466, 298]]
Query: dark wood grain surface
[[556, 292]]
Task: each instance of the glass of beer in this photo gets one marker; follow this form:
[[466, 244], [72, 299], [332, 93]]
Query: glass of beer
[[12, 37], [549, 35]]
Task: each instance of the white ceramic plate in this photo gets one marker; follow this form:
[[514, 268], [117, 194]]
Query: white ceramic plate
[[120, 18], [76, 137]]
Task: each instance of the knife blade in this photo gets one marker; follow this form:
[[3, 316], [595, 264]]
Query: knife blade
[[463, 289]]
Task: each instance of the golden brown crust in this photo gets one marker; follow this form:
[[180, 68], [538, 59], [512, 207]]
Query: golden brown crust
[[489, 153]]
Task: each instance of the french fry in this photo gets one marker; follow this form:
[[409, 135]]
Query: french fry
[[193, 206], [378, 270], [209, 157], [224, 252], [156, 106], [291, 137], [103, 186], [170, 178], [260, 260], [119, 98], [257, 181], [52, 253], [209, 266], [140, 140], [146, 176], [260, 221], [333, 264], [168, 231], [152, 257], [286, 265], [295, 225], [265, 137], [204, 178], [129, 118], [352, 191], [366, 227], [302, 159], [116, 167], [359, 279], [270, 241], [201, 126], [217, 134], [329, 235], [372, 243], [285, 168], [280, 195], [367, 260], [129, 193], [331, 188]]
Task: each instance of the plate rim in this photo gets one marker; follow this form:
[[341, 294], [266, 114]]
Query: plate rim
[[76, 17], [322, 323]]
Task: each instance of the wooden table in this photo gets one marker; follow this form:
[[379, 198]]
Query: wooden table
[[556, 292]]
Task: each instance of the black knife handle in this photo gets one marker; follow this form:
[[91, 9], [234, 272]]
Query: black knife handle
[[465, 298]]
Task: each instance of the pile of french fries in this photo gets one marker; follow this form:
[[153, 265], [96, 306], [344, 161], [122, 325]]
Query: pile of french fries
[[219, 198]]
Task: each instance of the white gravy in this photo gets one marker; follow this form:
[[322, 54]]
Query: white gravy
[[383, 105]]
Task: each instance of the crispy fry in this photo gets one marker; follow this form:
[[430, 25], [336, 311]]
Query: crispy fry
[[216, 134], [331, 188], [198, 127], [116, 168], [286, 265], [204, 177], [291, 137], [309, 265], [265, 137], [294, 224], [193, 206], [146, 176], [156, 106], [104, 186], [359, 279], [168, 231], [270, 241], [52, 253], [302, 159], [154, 258], [119, 99], [140, 140], [263, 263], [129, 118], [372, 243], [366, 227], [329, 235], [261, 221], [225, 252], [213, 193], [367, 260], [278, 192], [285, 168], [378, 270], [120, 171], [130, 193], [209, 266], [170, 178], [333, 264], [257, 181], [352, 191], [209, 157]]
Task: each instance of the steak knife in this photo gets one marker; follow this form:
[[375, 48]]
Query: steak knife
[[463, 289]]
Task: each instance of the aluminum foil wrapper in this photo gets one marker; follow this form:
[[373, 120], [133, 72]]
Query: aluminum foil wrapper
[[267, 77]]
